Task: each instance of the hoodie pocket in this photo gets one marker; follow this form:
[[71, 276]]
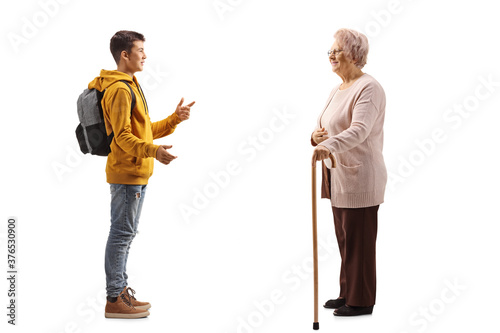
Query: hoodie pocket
[[138, 162], [143, 167]]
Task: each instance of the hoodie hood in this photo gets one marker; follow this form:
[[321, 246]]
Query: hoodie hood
[[107, 78]]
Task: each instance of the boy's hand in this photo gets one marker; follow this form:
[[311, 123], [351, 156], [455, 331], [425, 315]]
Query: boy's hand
[[183, 111], [164, 156]]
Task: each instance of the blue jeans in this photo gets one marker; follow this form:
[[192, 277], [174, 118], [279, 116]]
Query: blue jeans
[[126, 205]]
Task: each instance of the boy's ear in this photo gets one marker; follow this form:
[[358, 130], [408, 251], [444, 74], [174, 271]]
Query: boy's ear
[[124, 54]]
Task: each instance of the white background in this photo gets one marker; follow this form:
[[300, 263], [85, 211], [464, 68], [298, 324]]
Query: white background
[[216, 271]]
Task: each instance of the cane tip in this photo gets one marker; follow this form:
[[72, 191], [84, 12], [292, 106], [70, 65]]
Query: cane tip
[[315, 326]]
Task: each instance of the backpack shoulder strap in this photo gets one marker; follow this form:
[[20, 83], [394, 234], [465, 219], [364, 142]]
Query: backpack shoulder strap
[[143, 97], [133, 96]]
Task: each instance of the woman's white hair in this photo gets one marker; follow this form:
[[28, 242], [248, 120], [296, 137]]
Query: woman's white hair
[[354, 44]]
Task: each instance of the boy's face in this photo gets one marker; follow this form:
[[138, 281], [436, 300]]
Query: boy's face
[[136, 57]]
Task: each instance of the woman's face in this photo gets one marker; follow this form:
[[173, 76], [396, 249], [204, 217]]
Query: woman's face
[[340, 63]]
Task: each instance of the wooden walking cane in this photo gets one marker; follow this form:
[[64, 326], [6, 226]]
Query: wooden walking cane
[[315, 241]]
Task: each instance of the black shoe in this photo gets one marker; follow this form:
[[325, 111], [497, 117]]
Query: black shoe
[[334, 303], [348, 311]]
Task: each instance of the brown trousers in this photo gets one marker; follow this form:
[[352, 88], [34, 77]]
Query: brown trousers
[[356, 230]]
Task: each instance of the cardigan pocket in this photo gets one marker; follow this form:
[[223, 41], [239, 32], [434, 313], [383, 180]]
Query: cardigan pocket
[[349, 167], [348, 178], [347, 160]]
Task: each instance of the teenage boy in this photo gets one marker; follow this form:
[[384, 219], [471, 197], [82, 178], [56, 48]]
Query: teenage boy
[[130, 163]]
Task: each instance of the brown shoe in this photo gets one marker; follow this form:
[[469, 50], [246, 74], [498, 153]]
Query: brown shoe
[[135, 302], [123, 308]]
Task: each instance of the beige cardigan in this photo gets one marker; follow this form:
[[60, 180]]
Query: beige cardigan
[[356, 141]]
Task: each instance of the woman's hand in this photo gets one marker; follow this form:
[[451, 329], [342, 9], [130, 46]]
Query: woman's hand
[[319, 135], [320, 153]]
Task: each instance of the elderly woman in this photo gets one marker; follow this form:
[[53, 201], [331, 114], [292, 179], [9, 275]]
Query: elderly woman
[[351, 128]]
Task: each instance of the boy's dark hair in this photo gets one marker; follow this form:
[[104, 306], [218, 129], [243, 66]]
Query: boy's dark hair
[[124, 40]]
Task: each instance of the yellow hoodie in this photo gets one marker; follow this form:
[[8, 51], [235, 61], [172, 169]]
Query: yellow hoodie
[[132, 154]]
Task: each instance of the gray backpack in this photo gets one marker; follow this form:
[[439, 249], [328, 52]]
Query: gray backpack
[[91, 132]]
